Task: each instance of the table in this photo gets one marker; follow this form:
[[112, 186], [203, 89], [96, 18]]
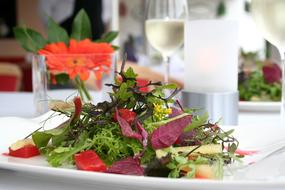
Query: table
[[21, 104]]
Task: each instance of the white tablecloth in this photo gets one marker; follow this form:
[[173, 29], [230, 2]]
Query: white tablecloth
[[11, 180], [21, 104], [17, 104]]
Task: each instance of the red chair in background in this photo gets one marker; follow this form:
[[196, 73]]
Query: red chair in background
[[10, 77], [26, 68]]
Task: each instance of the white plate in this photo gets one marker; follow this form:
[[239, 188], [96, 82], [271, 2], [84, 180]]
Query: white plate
[[259, 106], [9, 133]]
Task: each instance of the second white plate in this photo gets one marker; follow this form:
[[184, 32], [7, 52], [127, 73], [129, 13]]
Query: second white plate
[[259, 106]]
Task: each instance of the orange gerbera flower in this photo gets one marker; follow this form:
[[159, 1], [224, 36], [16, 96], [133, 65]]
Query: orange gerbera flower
[[54, 48], [78, 65], [79, 58], [87, 46], [51, 51]]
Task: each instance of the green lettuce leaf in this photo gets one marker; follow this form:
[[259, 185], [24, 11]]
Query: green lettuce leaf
[[61, 155], [197, 120], [41, 139]]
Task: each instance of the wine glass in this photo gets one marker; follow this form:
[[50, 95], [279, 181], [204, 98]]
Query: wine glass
[[269, 16], [164, 27]]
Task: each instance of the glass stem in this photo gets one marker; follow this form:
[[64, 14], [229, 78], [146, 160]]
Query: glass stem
[[166, 60], [283, 88]]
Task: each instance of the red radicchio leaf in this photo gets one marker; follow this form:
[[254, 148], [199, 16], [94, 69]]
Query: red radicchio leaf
[[126, 114], [143, 133], [175, 112], [78, 106], [166, 135], [127, 166], [126, 129], [272, 73], [143, 85], [78, 109]]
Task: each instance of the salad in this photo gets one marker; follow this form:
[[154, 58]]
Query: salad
[[261, 81], [137, 132]]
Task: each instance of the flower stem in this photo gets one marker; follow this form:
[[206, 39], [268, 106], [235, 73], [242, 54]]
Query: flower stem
[[84, 94], [78, 86], [85, 91]]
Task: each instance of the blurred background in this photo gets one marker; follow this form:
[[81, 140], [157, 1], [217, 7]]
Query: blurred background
[[127, 16]]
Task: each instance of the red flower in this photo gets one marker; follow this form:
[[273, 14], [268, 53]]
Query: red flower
[[272, 73], [79, 58]]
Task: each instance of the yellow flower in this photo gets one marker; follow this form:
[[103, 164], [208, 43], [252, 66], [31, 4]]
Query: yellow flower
[[160, 112]]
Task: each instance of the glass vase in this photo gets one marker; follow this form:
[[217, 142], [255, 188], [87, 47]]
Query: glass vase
[[64, 76]]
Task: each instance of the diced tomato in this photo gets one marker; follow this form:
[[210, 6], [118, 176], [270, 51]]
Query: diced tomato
[[202, 172], [205, 172], [126, 114], [89, 161], [23, 149], [201, 176], [26, 151]]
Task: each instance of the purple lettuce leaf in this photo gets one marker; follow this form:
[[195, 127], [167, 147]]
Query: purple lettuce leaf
[[143, 133], [127, 166], [167, 134], [185, 138], [272, 73], [175, 112], [126, 129]]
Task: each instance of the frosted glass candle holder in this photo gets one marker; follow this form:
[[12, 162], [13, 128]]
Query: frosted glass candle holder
[[211, 68], [211, 56]]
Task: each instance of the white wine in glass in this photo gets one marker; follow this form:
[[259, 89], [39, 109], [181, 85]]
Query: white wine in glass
[[158, 32], [164, 27], [269, 16]]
